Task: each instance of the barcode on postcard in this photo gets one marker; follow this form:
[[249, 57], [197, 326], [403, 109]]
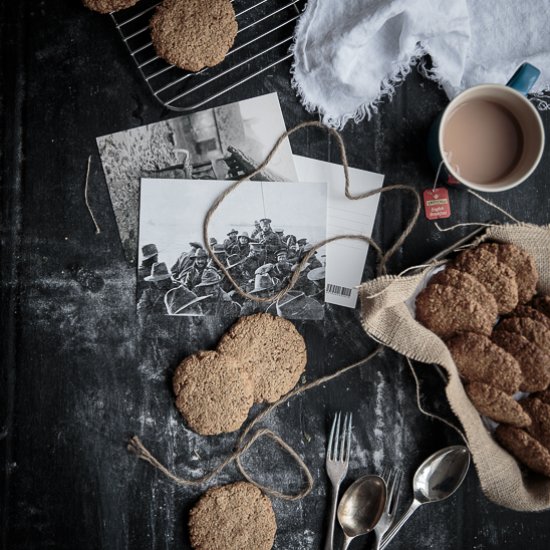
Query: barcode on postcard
[[338, 290]]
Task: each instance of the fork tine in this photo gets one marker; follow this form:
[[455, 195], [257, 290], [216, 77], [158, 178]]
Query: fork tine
[[394, 490], [348, 446], [331, 437], [338, 438]]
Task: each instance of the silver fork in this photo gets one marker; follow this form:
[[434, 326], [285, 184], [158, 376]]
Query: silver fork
[[337, 461], [393, 483]]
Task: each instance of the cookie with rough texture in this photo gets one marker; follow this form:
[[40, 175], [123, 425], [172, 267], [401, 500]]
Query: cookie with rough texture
[[270, 349], [525, 448], [480, 360], [213, 393], [468, 284], [446, 311], [107, 6], [497, 405], [496, 276], [534, 331], [233, 517], [531, 313], [543, 396], [539, 412], [533, 362], [523, 264], [542, 304], [193, 34]]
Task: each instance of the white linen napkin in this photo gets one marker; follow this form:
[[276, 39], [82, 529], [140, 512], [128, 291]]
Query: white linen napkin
[[350, 54]]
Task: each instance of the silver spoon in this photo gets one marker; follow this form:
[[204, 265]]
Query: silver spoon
[[361, 507], [436, 479]]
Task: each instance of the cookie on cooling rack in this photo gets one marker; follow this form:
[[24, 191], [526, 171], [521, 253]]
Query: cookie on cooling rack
[[469, 285], [496, 276], [270, 349], [193, 34], [525, 448], [233, 517], [446, 311], [107, 6], [533, 362], [497, 405], [213, 393], [521, 262], [480, 360], [535, 332]]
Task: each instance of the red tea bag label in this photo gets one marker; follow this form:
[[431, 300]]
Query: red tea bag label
[[436, 203]]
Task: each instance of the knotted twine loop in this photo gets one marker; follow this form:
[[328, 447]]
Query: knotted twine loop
[[382, 257], [244, 443]]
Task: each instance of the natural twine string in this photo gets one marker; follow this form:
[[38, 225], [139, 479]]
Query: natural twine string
[[97, 228]]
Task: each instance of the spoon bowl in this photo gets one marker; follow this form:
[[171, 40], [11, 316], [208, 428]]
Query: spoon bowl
[[361, 507]]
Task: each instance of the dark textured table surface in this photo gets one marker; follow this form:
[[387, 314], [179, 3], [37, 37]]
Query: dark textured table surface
[[79, 376]]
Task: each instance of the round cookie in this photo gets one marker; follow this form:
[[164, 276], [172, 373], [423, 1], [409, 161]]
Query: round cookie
[[233, 517], [447, 311], [533, 362], [539, 412], [497, 405], [523, 264], [524, 448], [542, 304], [213, 393], [531, 313], [470, 285], [534, 331], [107, 6], [497, 277], [543, 396], [193, 34], [270, 349], [480, 360]]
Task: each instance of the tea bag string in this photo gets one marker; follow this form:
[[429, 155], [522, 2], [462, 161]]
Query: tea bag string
[[382, 257]]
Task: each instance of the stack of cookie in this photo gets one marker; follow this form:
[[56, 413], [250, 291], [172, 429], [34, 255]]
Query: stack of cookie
[[462, 304], [258, 360]]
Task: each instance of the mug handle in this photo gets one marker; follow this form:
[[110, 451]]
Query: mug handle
[[524, 78]]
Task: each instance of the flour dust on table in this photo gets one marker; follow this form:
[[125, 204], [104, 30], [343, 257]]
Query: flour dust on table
[[222, 143], [260, 233]]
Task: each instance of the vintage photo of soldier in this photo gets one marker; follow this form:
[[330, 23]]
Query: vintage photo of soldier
[[260, 233], [221, 143]]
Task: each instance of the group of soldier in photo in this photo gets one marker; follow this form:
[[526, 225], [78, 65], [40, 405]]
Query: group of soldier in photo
[[261, 262]]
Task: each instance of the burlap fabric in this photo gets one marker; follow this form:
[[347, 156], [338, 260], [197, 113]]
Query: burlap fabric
[[387, 318]]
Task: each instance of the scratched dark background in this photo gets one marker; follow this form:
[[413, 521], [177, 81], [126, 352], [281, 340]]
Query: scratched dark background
[[79, 375]]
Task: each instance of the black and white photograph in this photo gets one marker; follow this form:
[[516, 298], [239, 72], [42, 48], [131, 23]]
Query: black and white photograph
[[222, 143], [260, 232]]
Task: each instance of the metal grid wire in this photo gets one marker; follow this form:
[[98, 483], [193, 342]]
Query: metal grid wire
[[263, 40]]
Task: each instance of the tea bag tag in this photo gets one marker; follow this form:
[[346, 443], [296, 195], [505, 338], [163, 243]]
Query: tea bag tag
[[436, 203]]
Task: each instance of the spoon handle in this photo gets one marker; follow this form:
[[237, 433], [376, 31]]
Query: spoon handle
[[347, 541], [332, 518], [388, 537]]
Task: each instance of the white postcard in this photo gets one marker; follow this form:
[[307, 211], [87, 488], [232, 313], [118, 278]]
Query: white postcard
[[345, 259]]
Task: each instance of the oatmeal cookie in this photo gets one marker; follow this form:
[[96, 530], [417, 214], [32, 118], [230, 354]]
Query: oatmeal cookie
[[534, 331], [531, 313], [539, 412], [480, 360], [107, 6], [213, 393], [542, 304], [232, 517], [270, 349]]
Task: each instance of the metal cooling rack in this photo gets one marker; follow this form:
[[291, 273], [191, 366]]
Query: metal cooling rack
[[263, 40]]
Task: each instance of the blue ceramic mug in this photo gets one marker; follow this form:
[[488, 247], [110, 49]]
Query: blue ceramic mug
[[527, 123]]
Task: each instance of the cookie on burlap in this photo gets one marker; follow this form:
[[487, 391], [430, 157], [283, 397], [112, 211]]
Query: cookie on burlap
[[468, 284], [523, 264], [534, 331], [542, 304], [446, 311], [107, 6], [531, 313], [496, 276], [270, 349], [193, 34], [533, 362], [539, 412], [497, 405], [525, 448], [233, 517], [480, 360], [213, 393]]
